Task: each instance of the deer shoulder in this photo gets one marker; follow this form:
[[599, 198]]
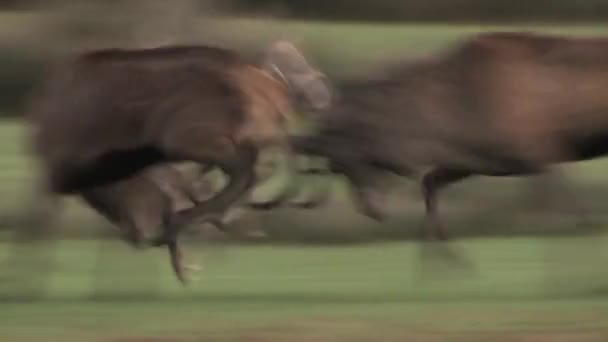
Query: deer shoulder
[[267, 105]]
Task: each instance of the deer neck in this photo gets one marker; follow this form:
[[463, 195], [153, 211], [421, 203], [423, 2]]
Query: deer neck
[[265, 92]]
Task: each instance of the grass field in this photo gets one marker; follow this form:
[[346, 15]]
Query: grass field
[[517, 288], [104, 291]]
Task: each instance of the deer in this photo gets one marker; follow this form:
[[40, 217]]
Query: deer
[[101, 118]]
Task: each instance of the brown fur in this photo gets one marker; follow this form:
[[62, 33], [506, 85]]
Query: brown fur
[[268, 105], [496, 104], [104, 116]]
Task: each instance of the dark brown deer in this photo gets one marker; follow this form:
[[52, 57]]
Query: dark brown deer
[[103, 117], [497, 104]]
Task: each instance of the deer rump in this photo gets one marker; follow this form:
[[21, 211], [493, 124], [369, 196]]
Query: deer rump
[[496, 104], [103, 118]]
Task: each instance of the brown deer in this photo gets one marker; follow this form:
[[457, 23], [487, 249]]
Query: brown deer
[[497, 104], [103, 117]]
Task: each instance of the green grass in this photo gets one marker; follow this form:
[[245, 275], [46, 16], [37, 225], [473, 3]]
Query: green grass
[[106, 290]]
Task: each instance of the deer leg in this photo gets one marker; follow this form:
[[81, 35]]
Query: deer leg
[[343, 161], [200, 189], [137, 223], [200, 144], [366, 197], [432, 182], [240, 170], [176, 260]]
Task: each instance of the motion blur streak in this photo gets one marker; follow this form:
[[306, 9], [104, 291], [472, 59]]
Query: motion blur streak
[[525, 257]]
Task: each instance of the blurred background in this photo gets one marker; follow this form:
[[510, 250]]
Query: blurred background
[[535, 266]]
